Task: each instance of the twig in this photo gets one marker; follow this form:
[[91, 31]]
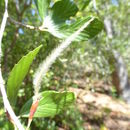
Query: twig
[[22, 24], [94, 5], [40, 28], [2, 86], [15, 36], [25, 6]]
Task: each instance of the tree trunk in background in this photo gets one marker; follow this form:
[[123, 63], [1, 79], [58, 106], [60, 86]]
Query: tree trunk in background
[[119, 76], [108, 27]]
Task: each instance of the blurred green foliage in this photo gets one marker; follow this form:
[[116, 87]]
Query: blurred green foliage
[[83, 60]]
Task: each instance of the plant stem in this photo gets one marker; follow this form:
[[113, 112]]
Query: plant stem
[[40, 28], [2, 86]]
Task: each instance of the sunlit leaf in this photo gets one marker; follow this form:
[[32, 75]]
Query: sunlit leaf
[[18, 73], [63, 10], [50, 104], [42, 6], [64, 30]]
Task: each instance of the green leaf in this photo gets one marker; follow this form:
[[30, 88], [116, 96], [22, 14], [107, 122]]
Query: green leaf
[[64, 30], [42, 6], [85, 4], [63, 10], [18, 73], [50, 104], [59, 24], [89, 32]]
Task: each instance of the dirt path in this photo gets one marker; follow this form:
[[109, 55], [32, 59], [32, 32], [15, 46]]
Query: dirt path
[[100, 109]]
